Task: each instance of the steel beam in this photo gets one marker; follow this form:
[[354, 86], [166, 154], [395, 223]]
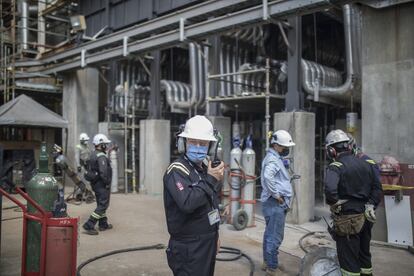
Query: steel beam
[[213, 109], [148, 27], [241, 19], [155, 96], [294, 96]]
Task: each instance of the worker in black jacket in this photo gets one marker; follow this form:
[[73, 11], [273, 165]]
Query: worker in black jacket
[[191, 202], [353, 191], [99, 173]]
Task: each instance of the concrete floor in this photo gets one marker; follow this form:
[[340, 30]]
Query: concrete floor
[[139, 220]]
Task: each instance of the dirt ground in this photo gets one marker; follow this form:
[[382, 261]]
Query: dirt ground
[[139, 221]]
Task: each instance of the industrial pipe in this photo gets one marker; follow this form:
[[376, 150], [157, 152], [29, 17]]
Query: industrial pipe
[[172, 88], [193, 73], [24, 32], [347, 86]]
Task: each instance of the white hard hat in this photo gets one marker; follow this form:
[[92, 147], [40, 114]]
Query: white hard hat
[[336, 136], [282, 138], [83, 137], [200, 128], [100, 139]]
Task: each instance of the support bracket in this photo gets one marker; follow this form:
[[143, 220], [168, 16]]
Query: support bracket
[[125, 46], [182, 29], [83, 58], [265, 10]]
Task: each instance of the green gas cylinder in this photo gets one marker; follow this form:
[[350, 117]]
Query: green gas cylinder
[[42, 188]]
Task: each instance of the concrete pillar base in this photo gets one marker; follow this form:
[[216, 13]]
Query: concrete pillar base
[[80, 108], [301, 125], [154, 155]]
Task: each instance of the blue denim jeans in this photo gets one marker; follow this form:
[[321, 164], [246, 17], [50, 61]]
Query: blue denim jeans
[[275, 216]]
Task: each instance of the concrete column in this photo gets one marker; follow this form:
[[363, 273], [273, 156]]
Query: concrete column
[[387, 89], [387, 82], [80, 106], [294, 95], [301, 125], [154, 154]]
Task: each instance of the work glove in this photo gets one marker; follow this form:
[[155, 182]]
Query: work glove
[[370, 213], [337, 207], [79, 169]]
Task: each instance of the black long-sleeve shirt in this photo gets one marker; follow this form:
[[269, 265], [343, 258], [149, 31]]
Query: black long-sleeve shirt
[[354, 179], [101, 164], [189, 195]]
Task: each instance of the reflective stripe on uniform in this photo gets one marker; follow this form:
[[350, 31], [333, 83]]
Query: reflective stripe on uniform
[[366, 270], [95, 215], [100, 154], [371, 161], [178, 166], [337, 164], [348, 273]]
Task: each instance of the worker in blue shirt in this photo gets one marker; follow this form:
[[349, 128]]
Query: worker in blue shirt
[[276, 198]]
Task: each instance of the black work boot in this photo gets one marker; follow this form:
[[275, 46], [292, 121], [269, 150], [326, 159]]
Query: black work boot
[[89, 226], [104, 225]]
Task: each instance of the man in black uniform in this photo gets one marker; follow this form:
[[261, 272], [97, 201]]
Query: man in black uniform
[[99, 174], [191, 202], [353, 191]]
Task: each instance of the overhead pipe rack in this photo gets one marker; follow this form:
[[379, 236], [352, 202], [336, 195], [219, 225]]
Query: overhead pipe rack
[[240, 19]]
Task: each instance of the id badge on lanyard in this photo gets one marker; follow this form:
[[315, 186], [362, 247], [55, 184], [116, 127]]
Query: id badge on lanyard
[[214, 217]]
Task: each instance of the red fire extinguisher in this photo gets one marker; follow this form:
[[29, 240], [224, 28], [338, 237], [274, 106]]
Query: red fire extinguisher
[[58, 239]]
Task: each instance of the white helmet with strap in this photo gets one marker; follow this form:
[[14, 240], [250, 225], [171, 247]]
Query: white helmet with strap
[[336, 136], [83, 137], [99, 139], [200, 128], [282, 138]]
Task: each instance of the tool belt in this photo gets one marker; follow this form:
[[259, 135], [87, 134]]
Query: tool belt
[[345, 225]]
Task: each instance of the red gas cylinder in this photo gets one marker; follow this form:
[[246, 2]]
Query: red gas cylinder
[[61, 245]]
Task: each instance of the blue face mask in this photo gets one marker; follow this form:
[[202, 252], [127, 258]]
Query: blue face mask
[[196, 154]]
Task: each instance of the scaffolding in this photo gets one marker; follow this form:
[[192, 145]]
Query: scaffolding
[[23, 34], [247, 95], [8, 48]]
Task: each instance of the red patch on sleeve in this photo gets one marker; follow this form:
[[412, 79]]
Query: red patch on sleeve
[[179, 186]]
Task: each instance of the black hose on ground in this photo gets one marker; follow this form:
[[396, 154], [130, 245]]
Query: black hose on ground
[[227, 250], [239, 254], [151, 247]]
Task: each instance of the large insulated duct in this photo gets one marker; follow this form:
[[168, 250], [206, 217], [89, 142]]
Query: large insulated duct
[[313, 86], [178, 94], [197, 74], [24, 21]]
